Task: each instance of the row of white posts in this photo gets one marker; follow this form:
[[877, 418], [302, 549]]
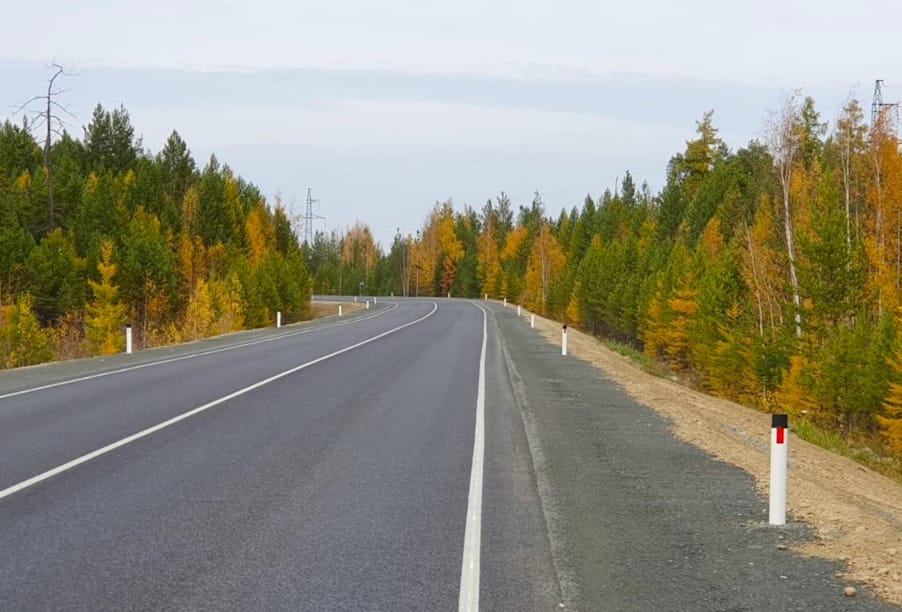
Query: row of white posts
[[128, 328], [779, 446], [532, 325]]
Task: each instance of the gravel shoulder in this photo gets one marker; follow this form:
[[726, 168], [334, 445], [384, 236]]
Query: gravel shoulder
[[855, 513]]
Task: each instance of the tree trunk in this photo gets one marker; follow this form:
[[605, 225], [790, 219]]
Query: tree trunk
[[791, 255], [48, 167], [544, 269], [847, 189], [878, 228], [748, 237]]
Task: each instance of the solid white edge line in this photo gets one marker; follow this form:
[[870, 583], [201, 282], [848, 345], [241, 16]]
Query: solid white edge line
[[469, 572], [222, 349], [155, 428]]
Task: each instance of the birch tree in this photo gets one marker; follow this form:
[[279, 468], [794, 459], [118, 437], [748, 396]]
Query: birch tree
[[783, 142]]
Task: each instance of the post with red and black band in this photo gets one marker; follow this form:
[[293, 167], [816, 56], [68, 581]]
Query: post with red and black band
[[779, 459]]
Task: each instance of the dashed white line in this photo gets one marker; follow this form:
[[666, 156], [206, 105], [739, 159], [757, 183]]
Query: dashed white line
[[223, 349], [155, 428]]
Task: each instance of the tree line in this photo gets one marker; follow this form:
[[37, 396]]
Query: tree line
[[770, 275], [97, 233]]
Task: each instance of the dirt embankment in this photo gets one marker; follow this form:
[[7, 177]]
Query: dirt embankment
[[322, 309], [855, 512]]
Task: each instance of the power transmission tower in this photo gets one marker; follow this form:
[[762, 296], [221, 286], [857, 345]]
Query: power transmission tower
[[310, 217], [883, 111]]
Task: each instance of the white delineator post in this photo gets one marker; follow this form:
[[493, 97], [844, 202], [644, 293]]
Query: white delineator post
[[564, 341], [505, 302], [532, 320], [518, 310], [486, 296], [128, 339], [278, 319], [367, 304], [375, 299], [779, 458], [339, 311]]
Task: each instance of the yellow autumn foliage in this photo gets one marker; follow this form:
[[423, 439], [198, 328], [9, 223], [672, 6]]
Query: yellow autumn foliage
[[105, 315]]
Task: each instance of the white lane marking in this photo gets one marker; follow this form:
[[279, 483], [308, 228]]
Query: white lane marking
[[469, 572], [155, 428], [223, 349]]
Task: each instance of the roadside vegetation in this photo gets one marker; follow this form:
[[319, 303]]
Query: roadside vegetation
[[770, 275], [99, 233]]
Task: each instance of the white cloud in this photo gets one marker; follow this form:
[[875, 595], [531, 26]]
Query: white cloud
[[787, 42], [357, 128], [358, 137]]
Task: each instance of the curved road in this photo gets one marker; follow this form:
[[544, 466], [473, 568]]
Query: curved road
[[421, 455], [342, 485]]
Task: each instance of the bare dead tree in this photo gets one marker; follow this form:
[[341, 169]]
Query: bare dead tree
[[49, 116]]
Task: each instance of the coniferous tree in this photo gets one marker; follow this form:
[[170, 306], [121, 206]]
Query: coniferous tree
[[105, 314]]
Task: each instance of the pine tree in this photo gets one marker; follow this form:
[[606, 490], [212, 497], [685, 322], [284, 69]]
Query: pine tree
[[543, 271], [22, 341], [890, 420], [450, 250], [794, 393], [54, 273], [105, 315], [147, 278], [489, 257], [199, 315], [730, 373], [227, 304]]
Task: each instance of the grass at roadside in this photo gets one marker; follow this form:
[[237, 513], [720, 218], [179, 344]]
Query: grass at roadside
[[641, 359], [865, 452]]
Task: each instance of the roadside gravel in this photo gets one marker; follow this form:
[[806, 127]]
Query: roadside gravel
[[855, 513]]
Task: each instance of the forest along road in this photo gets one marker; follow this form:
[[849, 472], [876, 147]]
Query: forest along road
[[361, 465]]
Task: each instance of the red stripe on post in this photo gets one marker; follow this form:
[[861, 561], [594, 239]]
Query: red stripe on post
[[781, 435]]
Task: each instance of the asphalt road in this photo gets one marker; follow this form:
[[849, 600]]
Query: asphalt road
[[340, 486], [330, 466]]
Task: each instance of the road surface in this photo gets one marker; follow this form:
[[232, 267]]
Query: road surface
[[421, 455]]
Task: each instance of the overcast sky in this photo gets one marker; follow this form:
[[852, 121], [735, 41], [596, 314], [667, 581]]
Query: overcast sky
[[385, 107]]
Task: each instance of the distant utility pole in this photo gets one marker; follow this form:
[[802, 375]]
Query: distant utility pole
[[310, 217], [48, 117]]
